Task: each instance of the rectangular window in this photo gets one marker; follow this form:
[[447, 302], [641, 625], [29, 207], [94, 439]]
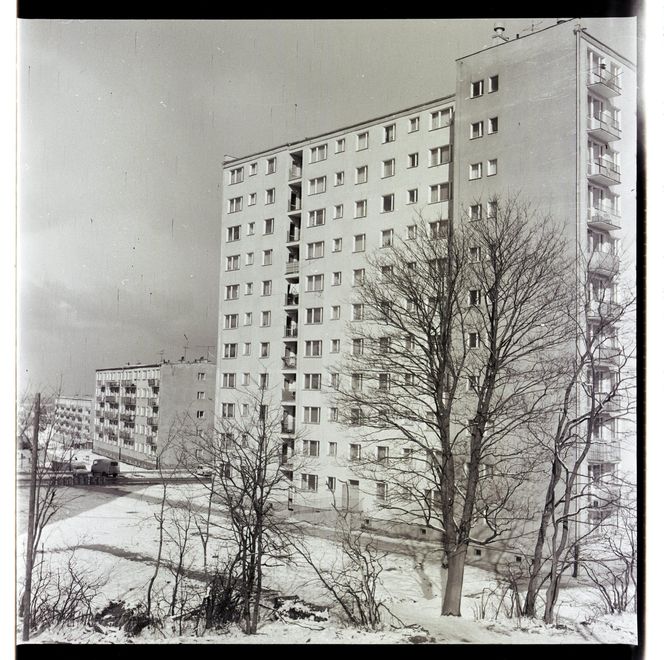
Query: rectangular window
[[311, 415], [231, 292], [336, 278], [268, 226], [201, 395], [200, 375], [249, 259], [476, 89], [318, 153], [388, 168], [362, 141], [381, 491], [340, 145], [333, 416], [383, 384], [338, 178], [230, 351], [316, 218], [492, 167], [310, 483], [314, 315], [335, 312], [387, 203], [248, 317], [236, 175], [389, 133], [230, 321], [228, 381], [361, 174], [315, 250], [474, 297], [271, 166], [266, 288], [250, 228], [475, 171], [233, 262], [228, 410], [492, 126], [313, 348], [266, 318], [441, 118], [317, 185], [252, 199], [267, 257], [331, 483], [358, 346], [314, 282], [359, 242], [473, 340], [311, 448], [248, 288], [253, 169], [386, 238], [235, 204], [245, 379], [357, 312], [413, 160], [312, 381], [233, 233], [475, 212], [358, 277], [338, 211], [269, 196], [246, 348], [439, 192], [491, 209], [413, 124], [361, 208], [413, 196], [474, 254], [493, 84], [439, 155], [355, 450], [335, 345], [476, 130], [336, 245]]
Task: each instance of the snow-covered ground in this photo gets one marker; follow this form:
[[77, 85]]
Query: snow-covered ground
[[119, 538]]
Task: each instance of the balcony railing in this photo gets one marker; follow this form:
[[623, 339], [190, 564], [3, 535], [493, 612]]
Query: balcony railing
[[611, 406], [604, 263], [152, 382], [111, 398], [152, 402], [288, 427], [112, 414], [291, 299], [152, 421], [294, 172], [292, 236], [128, 400], [604, 82], [290, 331], [604, 452], [604, 171], [288, 395], [126, 417], [295, 204], [292, 267], [125, 435], [604, 126], [603, 218], [289, 362]]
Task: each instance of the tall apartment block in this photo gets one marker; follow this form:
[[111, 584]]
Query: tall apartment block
[[140, 408], [73, 421], [550, 116]]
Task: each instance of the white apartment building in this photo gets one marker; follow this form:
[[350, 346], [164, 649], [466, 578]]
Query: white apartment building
[[551, 115]]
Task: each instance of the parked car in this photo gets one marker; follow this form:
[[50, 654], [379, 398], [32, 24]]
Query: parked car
[[204, 471], [105, 467], [79, 468]]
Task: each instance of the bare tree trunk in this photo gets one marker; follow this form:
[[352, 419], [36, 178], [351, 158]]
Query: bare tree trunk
[[456, 564], [29, 551], [159, 551]]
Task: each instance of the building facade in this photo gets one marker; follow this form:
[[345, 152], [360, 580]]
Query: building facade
[[141, 410], [73, 426], [550, 116]]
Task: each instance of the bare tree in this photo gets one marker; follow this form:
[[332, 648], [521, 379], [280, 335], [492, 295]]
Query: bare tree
[[451, 363], [583, 488], [246, 453]]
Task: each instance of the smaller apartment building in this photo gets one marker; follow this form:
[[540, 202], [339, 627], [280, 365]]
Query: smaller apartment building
[[73, 421], [140, 408]]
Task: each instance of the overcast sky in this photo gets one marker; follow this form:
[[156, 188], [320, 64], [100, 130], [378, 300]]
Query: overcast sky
[[122, 129]]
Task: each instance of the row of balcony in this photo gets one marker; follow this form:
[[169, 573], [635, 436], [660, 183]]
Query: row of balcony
[[604, 82]]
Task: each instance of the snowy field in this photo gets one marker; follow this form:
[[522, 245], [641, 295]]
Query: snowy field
[[118, 540]]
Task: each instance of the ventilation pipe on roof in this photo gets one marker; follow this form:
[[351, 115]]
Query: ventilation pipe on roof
[[498, 36]]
